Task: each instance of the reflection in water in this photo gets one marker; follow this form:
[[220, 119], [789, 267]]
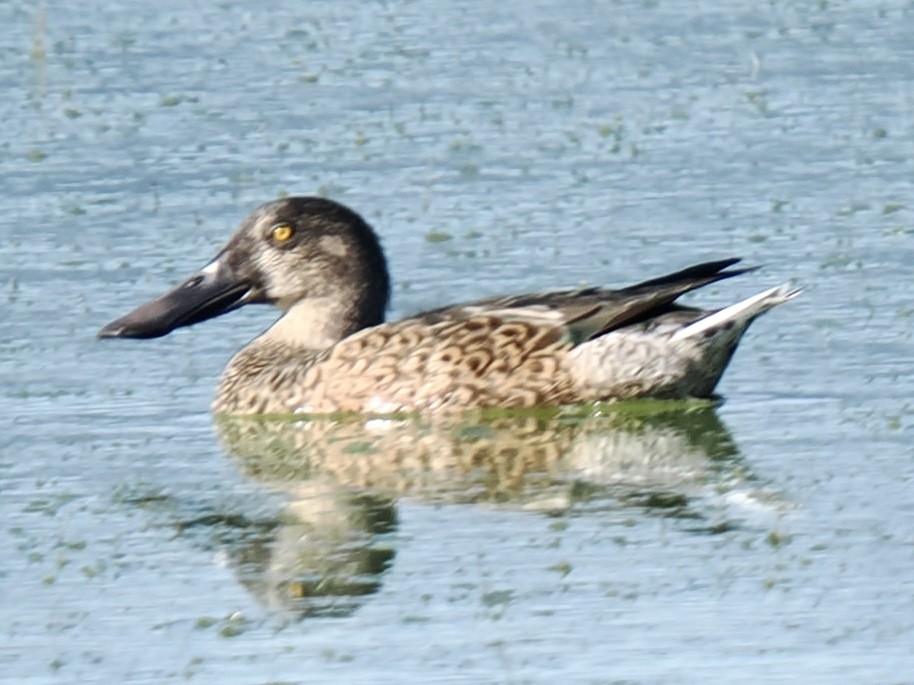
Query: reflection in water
[[343, 477], [320, 557], [541, 460], [323, 554]]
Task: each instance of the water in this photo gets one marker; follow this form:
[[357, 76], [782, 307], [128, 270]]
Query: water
[[497, 148]]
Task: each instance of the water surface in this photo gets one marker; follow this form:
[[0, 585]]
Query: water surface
[[496, 147]]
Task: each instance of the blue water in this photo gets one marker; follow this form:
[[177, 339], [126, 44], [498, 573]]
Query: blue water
[[496, 147]]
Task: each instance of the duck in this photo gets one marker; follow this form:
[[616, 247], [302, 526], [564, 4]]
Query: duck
[[331, 350]]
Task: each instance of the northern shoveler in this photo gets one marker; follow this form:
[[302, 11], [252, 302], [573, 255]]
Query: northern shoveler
[[331, 350]]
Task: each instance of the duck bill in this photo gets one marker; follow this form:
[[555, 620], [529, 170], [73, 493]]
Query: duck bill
[[209, 293]]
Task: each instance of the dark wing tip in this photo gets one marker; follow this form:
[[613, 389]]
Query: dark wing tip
[[111, 330], [706, 270]]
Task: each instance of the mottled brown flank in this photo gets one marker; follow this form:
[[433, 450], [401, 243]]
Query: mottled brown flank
[[413, 365]]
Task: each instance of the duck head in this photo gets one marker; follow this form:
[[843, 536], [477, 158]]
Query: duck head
[[291, 253]]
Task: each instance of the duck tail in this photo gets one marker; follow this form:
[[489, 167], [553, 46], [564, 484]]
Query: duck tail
[[743, 312]]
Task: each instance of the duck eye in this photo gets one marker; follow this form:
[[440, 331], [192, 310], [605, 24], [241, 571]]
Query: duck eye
[[281, 233]]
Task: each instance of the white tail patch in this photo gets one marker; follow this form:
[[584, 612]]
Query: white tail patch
[[743, 311]]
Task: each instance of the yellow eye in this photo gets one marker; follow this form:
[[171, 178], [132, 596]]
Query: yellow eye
[[281, 233]]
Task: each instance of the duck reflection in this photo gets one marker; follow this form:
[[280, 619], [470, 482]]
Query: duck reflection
[[343, 477], [324, 554]]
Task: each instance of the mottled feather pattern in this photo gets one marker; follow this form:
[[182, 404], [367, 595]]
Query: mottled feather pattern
[[482, 360], [330, 351]]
